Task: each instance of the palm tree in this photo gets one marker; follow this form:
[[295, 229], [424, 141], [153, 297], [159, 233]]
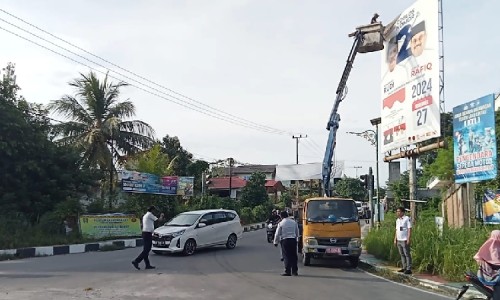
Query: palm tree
[[97, 123]]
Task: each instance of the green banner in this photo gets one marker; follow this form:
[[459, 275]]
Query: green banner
[[110, 225]]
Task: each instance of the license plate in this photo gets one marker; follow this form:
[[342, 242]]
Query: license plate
[[159, 243], [334, 250]]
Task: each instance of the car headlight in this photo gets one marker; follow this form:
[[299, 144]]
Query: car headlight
[[178, 233], [311, 241], [355, 243]]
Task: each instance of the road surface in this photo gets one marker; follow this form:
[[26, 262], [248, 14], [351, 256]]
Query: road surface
[[251, 271]]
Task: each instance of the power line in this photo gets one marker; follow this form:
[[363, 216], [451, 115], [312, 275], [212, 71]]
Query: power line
[[247, 123]]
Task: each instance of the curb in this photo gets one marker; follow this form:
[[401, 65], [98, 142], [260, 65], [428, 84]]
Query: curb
[[90, 247], [425, 283]]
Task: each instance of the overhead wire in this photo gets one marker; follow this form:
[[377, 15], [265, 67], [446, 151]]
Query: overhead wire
[[232, 119]]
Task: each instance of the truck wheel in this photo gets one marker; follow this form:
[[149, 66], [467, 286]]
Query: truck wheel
[[306, 259], [354, 261]]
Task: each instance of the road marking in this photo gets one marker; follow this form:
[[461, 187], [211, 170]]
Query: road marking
[[408, 286]]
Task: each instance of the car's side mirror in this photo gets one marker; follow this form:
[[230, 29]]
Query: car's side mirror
[[201, 225]]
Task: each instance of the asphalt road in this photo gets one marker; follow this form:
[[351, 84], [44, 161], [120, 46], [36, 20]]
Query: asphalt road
[[250, 271]]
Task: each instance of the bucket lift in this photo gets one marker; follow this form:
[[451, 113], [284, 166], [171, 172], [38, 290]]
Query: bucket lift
[[367, 38]]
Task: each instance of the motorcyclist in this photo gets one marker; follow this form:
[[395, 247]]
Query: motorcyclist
[[274, 218], [488, 259]]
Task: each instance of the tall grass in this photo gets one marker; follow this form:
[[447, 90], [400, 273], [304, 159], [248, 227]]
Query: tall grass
[[448, 255]]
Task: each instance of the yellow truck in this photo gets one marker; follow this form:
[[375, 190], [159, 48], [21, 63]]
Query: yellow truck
[[330, 230]]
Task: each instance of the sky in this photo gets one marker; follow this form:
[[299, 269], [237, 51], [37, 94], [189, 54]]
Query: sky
[[274, 63]]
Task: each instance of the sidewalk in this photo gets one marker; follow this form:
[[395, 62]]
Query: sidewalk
[[432, 282]]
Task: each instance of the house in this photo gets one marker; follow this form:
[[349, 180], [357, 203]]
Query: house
[[220, 186], [244, 172]]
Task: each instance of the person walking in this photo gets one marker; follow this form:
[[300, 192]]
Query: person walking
[[402, 239], [148, 226], [287, 234]]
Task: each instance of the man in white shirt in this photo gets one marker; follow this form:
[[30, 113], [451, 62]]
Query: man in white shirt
[[287, 234], [148, 226], [402, 239]]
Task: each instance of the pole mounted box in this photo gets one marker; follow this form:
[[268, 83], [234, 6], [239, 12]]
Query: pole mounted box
[[373, 39]]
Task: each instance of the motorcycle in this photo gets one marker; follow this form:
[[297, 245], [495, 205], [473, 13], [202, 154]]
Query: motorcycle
[[476, 283], [271, 229]]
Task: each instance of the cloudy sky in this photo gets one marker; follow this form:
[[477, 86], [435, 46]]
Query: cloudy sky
[[272, 63]]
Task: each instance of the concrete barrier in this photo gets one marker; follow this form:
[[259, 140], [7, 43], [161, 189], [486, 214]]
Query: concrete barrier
[[91, 247]]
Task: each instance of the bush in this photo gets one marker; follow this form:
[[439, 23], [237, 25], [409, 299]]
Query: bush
[[449, 255], [260, 213], [246, 215]]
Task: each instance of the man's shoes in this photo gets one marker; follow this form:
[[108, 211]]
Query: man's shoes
[[295, 273], [136, 265], [401, 271], [408, 272], [150, 267], [286, 274]]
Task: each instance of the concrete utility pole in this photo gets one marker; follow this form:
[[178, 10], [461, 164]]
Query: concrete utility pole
[[413, 185], [357, 167], [231, 162], [370, 195], [375, 122], [297, 138]]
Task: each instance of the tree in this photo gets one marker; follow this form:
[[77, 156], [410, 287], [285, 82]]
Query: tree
[[36, 174], [98, 125], [196, 168], [172, 147], [254, 193], [350, 188]]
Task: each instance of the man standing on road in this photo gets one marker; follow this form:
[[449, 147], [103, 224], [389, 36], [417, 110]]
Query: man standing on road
[[287, 233], [402, 239], [148, 226]]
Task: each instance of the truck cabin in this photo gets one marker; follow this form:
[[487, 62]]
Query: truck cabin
[[330, 210]]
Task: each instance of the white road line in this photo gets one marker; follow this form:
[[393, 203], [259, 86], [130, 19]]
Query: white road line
[[408, 286]]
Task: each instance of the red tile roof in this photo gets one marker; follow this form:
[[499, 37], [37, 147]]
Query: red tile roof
[[222, 183], [271, 183]]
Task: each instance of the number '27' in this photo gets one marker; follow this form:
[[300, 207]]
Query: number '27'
[[421, 116]]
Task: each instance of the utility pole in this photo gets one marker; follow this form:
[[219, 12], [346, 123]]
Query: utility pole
[[297, 146], [375, 122], [369, 181], [357, 167], [413, 185], [297, 138], [231, 162]]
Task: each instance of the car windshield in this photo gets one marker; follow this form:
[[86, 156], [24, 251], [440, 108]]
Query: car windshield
[[183, 220], [332, 211]]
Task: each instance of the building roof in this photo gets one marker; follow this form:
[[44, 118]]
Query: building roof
[[271, 183], [222, 183]]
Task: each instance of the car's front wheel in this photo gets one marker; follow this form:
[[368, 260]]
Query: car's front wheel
[[231, 241], [189, 247]]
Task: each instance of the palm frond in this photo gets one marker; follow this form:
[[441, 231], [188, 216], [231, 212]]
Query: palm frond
[[139, 127], [70, 108], [122, 110]]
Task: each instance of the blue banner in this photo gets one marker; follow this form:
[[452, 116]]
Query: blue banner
[[136, 182], [474, 141]]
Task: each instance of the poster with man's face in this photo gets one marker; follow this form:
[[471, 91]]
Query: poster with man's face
[[410, 77]]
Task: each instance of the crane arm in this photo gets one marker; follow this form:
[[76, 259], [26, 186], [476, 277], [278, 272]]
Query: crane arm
[[333, 122]]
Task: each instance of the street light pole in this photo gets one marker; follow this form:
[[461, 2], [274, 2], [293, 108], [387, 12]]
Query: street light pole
[[376, 122]]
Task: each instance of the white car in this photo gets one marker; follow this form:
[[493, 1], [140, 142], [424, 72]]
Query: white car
[[193, 230]]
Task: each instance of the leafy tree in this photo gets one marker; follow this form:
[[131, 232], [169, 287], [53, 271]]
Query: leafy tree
[[196, 168], [254, 193], [36, 175], [286, 198], [172, 147], [98, 125], [350, 188]]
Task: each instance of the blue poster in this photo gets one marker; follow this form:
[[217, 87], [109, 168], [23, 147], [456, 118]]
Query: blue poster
[[137, 182], [474, 141]]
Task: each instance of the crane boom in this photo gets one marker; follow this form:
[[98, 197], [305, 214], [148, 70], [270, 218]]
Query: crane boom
[[333, 122]]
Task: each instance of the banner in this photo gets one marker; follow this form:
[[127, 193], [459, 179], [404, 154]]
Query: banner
[[137, 182], [410, 77], [110, 225], [491, 207], [474, 140], [185, 186]]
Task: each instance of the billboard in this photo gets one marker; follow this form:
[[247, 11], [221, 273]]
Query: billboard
[[137, 182], [491, 207], [474, 141], [110, 225], [410, 77]]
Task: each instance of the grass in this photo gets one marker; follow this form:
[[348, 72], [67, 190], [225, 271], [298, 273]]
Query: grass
[[448, 255]]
